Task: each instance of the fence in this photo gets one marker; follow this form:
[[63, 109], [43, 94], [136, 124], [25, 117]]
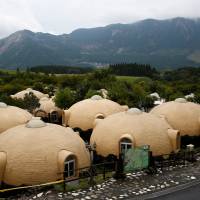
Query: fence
[[179, 158], [88, 173], [92, 172]]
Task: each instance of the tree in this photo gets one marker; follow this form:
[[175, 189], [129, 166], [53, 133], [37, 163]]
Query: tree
[[91, 93], [195, 99], [64, 98], [31, 102], [100, 78], [50, 90], [38, 86], [147, 103]]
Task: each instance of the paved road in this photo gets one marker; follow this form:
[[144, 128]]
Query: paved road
[[191, 193]]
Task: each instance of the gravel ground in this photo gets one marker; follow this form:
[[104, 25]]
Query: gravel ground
[[135, 184]]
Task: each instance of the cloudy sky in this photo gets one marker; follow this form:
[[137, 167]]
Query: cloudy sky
[[63, 16]]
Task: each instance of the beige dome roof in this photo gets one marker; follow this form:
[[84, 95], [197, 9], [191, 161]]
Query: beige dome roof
[[21, 95], [11, 116], [35, 153], [48, 106], [181, 115], [142, 128], [82, 114]]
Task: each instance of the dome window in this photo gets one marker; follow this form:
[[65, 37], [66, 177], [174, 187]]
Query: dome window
[[70, 167], [54, 116], [125, 145], [99, 116], [40, 113]]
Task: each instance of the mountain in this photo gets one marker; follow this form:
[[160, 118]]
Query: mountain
[[161, 43]]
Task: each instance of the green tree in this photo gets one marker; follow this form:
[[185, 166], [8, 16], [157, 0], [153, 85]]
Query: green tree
[[38, 86], [91, 93], [147, 103], [31, 102], [64, 98]]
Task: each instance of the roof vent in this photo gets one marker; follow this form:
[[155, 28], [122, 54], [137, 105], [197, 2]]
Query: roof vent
[[134, 111], [181, 100], [44, 99], [29, 89], [96, 97], [3, 105], [35, 122]]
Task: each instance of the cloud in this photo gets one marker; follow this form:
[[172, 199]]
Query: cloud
[[16, 15], [63, 16]]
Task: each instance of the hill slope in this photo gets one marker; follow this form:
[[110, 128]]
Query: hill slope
[[162, 43]]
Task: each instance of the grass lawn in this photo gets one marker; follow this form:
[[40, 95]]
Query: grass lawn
[[9, 71], [133, 79], [83, 183]]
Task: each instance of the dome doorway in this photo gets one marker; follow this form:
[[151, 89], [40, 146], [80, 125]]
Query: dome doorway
[[124, 145]]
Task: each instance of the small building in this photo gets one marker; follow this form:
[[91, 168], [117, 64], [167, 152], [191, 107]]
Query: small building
[[190, 96], [11, 116], [155, 95], [48, 111], [181, 115], [21, 95], [104, 93], [157, 99], [81, 115], [38, 152], [134, 128], [159, 102]]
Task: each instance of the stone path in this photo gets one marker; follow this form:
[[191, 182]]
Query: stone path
[[135, 184]]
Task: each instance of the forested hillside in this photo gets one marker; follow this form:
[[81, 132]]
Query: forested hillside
[[169, 43]]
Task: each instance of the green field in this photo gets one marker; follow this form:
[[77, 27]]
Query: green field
[[130, 79], [8, 71], [133, 79]]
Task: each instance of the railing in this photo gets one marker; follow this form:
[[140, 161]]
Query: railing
[[91, 172], [179, 158], [88, 173]]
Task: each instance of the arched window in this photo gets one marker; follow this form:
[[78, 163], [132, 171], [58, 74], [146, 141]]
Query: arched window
[[99, 116], [42, 114], [54, 116], [125, 144], [69, 168]]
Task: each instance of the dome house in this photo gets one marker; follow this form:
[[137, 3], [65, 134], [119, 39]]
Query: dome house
[[12, 116], [181, 115], [134, 128], [38, 152], [82, 114], [21, 95]]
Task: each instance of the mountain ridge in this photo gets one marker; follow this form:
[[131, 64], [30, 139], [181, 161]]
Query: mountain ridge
[[161, 43]]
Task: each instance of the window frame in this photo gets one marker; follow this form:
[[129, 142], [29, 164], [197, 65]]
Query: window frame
[[67, 173], [126, 144], [100, 116], [54, 116]]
